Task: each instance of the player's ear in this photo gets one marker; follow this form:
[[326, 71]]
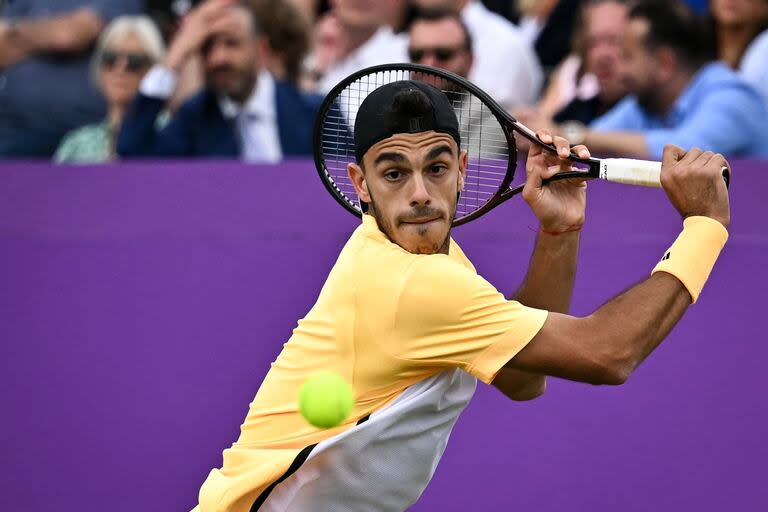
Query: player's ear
[[462, 169], [357, 177]]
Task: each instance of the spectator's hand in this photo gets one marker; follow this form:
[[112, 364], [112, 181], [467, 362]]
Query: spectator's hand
[[694, 183], [196, 27], [560, 206]]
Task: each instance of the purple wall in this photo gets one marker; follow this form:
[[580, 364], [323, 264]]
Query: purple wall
[[140, 306]]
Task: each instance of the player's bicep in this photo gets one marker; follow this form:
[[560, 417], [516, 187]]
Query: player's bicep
[[563, 348]]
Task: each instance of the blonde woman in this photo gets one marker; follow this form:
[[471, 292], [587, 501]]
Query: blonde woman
[[127, 48]]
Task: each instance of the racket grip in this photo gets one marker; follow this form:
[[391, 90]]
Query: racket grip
[[644, 173]]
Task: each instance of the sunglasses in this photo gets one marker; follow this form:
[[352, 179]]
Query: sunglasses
[[133, 61], [441, 54]]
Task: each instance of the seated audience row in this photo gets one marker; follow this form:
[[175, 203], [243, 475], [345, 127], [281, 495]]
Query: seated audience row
[[236, 80]]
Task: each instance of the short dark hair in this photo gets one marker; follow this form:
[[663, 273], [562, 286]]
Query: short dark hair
[[436, 14], [674, 24]]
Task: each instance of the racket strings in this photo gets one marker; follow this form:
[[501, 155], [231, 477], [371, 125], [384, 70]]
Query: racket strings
[[481, 134]]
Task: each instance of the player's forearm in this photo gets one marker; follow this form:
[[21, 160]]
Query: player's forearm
[[551, 272], [629, 144], [605, 347], [634, 323], [72, 32]]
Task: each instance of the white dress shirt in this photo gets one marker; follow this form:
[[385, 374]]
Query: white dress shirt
[[255, 120], [504, 66], [383, 47]]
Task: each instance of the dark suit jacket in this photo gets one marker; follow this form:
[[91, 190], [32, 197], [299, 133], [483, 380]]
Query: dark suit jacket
[[200, 129]]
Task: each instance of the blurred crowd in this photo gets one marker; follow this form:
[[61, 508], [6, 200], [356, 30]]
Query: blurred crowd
[[99, 80]]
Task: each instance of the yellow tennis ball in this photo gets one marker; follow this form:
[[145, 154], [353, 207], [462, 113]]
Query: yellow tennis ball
[[326, 399]]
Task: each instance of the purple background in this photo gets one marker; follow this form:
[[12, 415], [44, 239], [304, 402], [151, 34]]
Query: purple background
[[140, 306]]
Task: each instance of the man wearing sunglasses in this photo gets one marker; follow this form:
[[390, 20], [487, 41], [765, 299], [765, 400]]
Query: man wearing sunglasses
[[440, 38], [242, 110], [505, 66]]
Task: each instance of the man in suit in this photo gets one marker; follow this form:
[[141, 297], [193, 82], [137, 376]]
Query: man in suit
[[241, 112]]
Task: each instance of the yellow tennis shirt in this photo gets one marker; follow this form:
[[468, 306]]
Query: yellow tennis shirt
[[385, 320]]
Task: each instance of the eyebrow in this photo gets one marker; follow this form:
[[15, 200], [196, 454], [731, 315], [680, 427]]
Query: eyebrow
[[439, 150], [391, 157]]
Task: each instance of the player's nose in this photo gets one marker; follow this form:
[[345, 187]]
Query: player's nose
[[419, 193]]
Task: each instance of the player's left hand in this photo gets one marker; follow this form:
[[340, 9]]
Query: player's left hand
[[560, 205]]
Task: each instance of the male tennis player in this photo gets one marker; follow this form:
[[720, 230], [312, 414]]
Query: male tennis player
[[407, 321]]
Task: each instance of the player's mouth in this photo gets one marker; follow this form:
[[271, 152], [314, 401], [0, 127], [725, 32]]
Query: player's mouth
[[421, 220]]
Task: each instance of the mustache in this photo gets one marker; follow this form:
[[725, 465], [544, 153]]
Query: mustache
[[219, 69], [421, 212]]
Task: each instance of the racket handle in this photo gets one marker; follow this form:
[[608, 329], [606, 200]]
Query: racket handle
[[644, 173]]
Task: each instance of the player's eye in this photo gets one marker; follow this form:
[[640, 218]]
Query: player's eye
[[393, 175], [438, 169]]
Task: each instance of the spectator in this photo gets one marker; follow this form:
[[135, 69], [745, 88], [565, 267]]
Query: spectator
[[367, 40], [44, 81], [329, 43], [741, 38], [439, 38], [584, 96], [242, 111], [125, 51], [287, 29], [504, 66], [676, 97]]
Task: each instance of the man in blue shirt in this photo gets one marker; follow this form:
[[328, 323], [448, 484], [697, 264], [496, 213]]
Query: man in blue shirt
[[677, 96], [45, 86]]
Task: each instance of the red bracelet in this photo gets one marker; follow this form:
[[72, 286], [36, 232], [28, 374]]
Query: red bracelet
[[558, 233]]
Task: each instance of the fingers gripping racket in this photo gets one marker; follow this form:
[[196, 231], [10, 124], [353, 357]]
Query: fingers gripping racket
[[487, 134]]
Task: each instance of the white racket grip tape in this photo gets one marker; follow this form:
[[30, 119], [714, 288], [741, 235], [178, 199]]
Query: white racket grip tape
[[644, 173]]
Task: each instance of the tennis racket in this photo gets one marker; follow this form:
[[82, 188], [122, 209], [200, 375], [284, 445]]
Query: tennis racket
[[487, 134]]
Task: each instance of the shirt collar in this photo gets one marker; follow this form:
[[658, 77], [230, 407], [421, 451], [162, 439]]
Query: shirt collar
[[260, 104]]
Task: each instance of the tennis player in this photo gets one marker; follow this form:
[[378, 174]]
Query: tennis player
[[405, 318]]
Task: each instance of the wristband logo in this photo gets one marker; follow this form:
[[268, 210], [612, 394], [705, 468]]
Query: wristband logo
[[666, 256]]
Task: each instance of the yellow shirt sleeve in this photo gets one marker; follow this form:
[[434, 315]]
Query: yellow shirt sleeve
[[449, 316]]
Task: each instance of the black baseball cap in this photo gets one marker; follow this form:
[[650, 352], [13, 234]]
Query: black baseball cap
[[398, 107]]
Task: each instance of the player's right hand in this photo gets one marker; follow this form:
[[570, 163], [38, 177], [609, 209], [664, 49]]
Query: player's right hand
[[693, 181]]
